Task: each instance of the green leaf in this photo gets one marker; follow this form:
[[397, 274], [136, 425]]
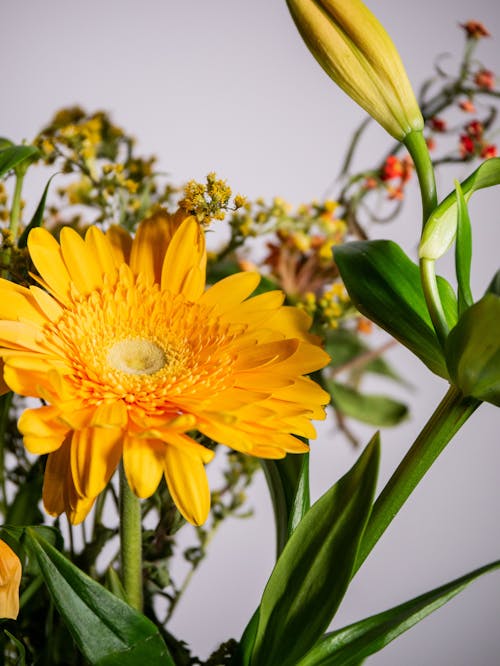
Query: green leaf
[[244, 651], [494, 286], [384, 285], [463, 253], [282, 478], [106, 630], [377, 410], [37, 218], [345, 346], [347, 646], [14, 156], [315, 567], [19, 647], [440, 229], [302, 500], [473, 350]]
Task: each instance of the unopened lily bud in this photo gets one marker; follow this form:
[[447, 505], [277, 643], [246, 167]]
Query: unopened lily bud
[[10, 579], [357, 53]]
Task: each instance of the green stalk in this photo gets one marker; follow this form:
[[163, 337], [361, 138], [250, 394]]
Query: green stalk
[[130, 543], [417, 148], [415, 143], [450, 415], [431, 294]]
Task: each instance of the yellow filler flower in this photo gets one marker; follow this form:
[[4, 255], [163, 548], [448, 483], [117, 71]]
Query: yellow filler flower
[[130, 353], [354, 49], [10, 579]]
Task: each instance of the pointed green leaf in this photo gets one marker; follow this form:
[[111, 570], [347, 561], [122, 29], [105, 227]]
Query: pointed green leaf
[[282, 478], [384, 285], [106, 630], [302, 500], [463, 253], [315, 567], [494, 286], [14, 156], [347, 646], [37, 218], [440, 229], [244, 651], [473, 350], [377, 410]]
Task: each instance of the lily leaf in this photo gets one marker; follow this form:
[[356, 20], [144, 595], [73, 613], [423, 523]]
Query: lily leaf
[[347, 646], [282, 478], [473, 350], [377, 410], [463, 253], [384, 285], [315, 567], [440, 229], [14, 156], [302, 500], [107, 631], [494, 286]]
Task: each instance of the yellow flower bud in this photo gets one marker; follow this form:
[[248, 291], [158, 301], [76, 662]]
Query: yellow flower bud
[[10, 579], [357, 53]]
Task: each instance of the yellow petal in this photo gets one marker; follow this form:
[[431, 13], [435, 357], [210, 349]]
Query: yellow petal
[[20, 335], [121, 243], [41, 431], [46, 255], [95, 454], [143, 462], [57, 471], [82, 267], [10, 580], [186, 251], [264, 355], [231, 291], [149, 248], [257, 310], [46, 303], [188, 484], [17, 307], [102, 250]]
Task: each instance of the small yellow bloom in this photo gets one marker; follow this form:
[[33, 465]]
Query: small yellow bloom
[[10, 579], [130, 355], [357, 53]]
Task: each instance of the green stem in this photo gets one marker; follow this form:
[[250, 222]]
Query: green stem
[[130, 542], [415, 143], [15, 211], [448, 418], [433, 300], [417, 148]]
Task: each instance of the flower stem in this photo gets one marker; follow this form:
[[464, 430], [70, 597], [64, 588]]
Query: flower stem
[[417, 148], [415, 143], [130, 543], [448, 418]]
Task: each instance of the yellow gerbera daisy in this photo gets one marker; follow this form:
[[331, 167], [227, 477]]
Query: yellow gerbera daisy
[[129, 353]]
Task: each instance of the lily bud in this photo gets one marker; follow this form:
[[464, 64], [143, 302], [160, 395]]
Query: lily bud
[[357, 53], [10, 579]]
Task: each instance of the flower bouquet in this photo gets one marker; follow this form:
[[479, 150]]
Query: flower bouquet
[[132, 356]]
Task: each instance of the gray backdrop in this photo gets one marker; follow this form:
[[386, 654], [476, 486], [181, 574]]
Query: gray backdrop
[[228, 86]]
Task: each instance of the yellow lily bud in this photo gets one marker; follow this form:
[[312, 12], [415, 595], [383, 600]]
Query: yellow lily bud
[[10, 579], [357, 53]]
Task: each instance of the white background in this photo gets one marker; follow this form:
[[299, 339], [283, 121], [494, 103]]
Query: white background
[[228, 86]]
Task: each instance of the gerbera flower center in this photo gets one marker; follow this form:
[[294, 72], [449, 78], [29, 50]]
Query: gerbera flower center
[[137, 357]]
